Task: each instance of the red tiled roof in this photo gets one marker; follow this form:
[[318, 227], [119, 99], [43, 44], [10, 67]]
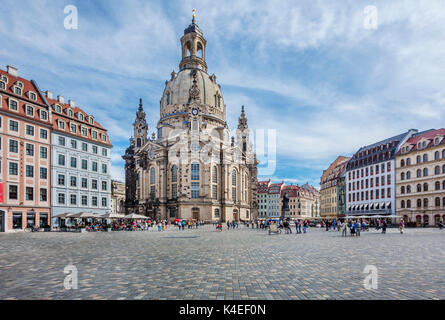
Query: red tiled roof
[[430, 135], [27, 86]]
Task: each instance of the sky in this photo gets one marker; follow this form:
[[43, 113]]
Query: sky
[[327, 76]]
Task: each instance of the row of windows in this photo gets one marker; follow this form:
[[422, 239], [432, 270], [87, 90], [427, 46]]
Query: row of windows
[[13, 193], [84, 146], [425, 201], [422, 144], [83, 130], [29, 149], [84, 163], [424, 158], [29, 129], [71, 114], [420, 173], [29, 110], [369, 171], [366, 183], [407, 189], [366, 195], [61, 199], [61, 181]]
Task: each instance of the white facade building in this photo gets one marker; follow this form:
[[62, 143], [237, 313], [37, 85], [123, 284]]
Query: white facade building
[[371, 178]]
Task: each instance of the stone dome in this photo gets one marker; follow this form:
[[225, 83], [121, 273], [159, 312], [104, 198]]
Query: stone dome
[[178, 93]]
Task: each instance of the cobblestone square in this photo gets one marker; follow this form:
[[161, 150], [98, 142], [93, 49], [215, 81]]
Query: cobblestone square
[[234, 264]]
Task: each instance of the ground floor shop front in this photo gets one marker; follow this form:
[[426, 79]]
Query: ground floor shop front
[[20, 218]]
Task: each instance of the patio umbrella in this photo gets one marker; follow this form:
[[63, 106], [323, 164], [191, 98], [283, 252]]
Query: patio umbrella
[[134, 216], [63, 215], [83, 215], [112, 216]]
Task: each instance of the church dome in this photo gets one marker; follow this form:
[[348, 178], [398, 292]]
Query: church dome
[[178, 93], [192, 86]]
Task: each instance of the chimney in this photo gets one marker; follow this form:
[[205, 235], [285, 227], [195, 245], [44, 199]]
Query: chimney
[[12, 71], [72, 104], [49, 94], [61, 99]]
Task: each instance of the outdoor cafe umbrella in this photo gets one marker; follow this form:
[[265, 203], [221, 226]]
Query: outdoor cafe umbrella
[[83, 215], [112, 216], [63, 215], [134, 216]]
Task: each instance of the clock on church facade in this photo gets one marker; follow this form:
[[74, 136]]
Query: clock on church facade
[[191, 169]]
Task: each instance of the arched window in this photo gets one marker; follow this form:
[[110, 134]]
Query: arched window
[[195, 171], [152, 176], [200, 50], [425, 203], [152, 182], [425, 186], [402, 163], [138, 142], [188, 48], [408, 189], [419, 173], [408, 161], [234, 185], [436, 170], [419, 159], [425, 172], [419, 203], [408, 175], [408, 203], [216, 213], [443, 153], [402, 204], [174, 173], [443, 202], [437, 202], [443, 185], [437, 185], [168, 98], [443, 168], [419, 188], [214, 174], [402, 176], [425, 157], [436, 155]]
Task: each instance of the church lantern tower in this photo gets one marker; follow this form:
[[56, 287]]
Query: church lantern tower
[[193, 47], [140, 128]]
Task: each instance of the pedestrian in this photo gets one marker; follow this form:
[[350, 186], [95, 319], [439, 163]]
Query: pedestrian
[[401, 226], [305, 225], [384, 225], [344, 229], [357, 228]]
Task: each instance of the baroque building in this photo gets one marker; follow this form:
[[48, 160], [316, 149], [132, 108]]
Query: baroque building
[[330, 195], [420, 178], [370, 177], [191, 169]]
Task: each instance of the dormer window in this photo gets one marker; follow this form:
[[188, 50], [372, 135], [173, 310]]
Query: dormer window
[[2, 85], [84, 131], [61, 124], [58, 109], [94, 134], [32, 95], [70, 113], [90, 119], [73, 127], [104, 137], [437, 141], [424, 144], [4, 79], [80, 116], [17, 90]]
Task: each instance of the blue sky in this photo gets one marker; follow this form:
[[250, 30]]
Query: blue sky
[[308, 69]]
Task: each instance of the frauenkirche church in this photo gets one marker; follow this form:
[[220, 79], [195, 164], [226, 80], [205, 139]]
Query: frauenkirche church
[[191, 169]]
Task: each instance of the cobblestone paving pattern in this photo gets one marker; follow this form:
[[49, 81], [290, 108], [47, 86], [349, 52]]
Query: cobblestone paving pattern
[[234, 264]]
